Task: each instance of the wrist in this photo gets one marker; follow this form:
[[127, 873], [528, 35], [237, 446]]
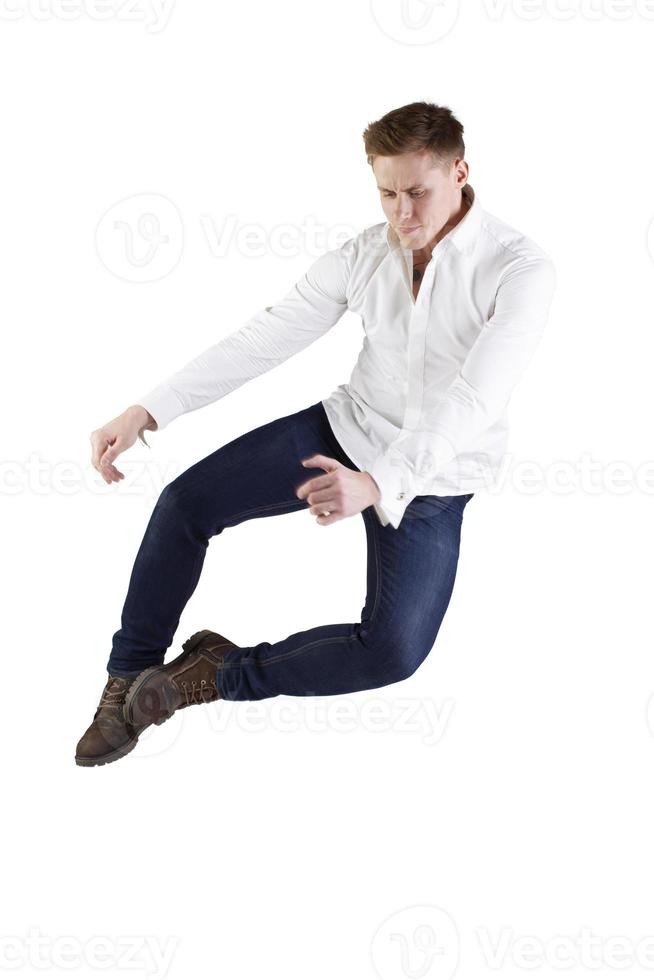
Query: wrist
[[375, 486], [142, 417]]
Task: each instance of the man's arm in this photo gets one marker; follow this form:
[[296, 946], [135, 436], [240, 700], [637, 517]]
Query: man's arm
[[314, 304], [478, 394]]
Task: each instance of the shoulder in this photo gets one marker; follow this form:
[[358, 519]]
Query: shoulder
[[356, 252], [370, 244], [510, 247]]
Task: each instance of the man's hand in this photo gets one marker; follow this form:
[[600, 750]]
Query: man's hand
[[341, 492], [115, 437]]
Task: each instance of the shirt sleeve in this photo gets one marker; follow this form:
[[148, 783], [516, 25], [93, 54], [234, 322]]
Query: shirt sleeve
[[314, 304], [479, 393]]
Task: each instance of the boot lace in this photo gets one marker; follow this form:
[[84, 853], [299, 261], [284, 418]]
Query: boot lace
[[114, 692], [198, 693]]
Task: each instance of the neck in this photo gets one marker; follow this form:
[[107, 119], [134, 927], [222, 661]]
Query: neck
[[424, 254]]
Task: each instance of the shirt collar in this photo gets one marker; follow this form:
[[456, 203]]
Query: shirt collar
[[462, 236]]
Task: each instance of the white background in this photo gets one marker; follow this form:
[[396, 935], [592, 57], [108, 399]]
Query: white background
[[288, 841]]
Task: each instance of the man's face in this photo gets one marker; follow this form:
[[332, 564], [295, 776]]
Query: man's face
[[418, 198]]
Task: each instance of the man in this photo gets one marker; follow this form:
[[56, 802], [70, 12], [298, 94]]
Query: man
[[453, 302]]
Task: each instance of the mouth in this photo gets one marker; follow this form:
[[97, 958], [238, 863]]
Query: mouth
[[405, 231]]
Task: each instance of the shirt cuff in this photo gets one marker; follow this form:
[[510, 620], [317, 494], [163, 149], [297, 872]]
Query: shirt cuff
[[384, 519], [162, 404], [395, 497]]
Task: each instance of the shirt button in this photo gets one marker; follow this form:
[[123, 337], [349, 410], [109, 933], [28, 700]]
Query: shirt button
[[401, 495]]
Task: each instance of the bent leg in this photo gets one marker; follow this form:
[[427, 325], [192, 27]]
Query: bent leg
[[410, 578], [255, 475]]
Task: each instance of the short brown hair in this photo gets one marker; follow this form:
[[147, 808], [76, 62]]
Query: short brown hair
[[416, 126]]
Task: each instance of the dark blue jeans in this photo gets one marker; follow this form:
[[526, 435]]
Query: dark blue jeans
[[410, 570]]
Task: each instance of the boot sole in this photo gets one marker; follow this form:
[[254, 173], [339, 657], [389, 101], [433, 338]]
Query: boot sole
[[102, 760]]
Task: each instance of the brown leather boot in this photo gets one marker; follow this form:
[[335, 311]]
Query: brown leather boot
[[158, 692], [108, 737]]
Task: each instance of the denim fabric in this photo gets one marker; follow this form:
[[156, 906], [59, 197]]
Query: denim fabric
[[410, 570]]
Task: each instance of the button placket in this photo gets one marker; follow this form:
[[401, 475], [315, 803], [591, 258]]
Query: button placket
[[417, 342], [417, 345]]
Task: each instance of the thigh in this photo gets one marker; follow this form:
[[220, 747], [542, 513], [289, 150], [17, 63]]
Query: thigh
[[411, 574], [257, 474]]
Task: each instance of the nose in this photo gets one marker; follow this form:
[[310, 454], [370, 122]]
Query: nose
[[402, 215]]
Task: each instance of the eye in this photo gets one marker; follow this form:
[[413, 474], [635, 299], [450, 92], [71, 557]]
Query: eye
[[413, 193]]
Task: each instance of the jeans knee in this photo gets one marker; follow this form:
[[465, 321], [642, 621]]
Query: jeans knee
[[173, 498], [396, 659], [179, 505]]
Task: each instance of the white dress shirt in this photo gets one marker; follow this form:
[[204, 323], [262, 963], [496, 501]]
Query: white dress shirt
[[425, 409]]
